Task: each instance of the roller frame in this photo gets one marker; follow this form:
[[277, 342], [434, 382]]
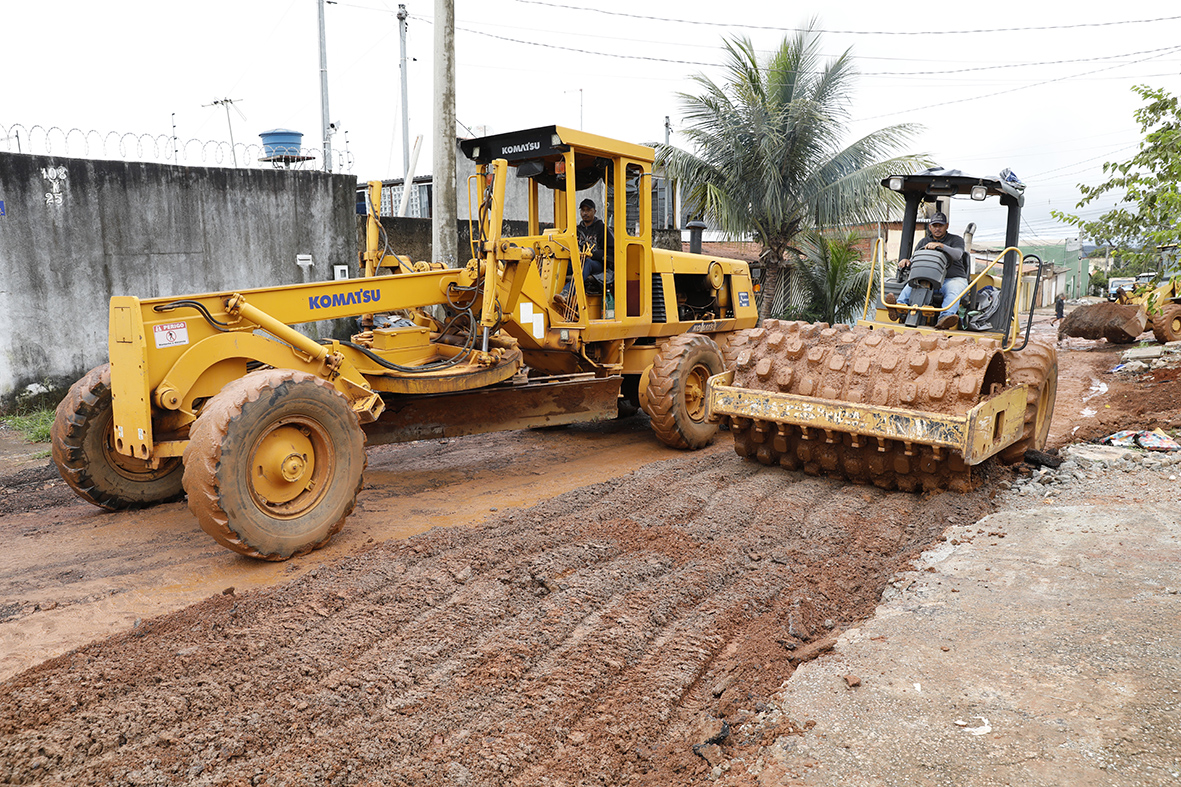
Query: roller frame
[[983, 431]]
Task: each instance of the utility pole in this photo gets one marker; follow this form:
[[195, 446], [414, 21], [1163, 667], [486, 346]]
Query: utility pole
[[444, 220], [668, 127], [405, 101], [327, 126], [227, 103]]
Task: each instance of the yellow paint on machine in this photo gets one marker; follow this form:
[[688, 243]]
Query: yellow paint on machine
[[978, 434]]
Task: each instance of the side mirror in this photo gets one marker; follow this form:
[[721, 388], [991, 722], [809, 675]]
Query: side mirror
[[530, 169]]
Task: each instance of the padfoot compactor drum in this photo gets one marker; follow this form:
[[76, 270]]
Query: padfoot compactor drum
[[884, 403]]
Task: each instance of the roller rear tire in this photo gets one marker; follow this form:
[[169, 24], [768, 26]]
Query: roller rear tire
[[1037, 367]]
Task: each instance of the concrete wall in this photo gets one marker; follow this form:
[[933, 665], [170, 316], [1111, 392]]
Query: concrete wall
[[75, 232]]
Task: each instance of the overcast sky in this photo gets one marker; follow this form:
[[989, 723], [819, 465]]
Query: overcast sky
[[1042, 88]]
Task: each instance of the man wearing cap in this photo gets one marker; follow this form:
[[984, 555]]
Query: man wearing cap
[[955, 278], [598, 245]]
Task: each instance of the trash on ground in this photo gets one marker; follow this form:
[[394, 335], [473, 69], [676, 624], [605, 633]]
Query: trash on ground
[[1156, 440]]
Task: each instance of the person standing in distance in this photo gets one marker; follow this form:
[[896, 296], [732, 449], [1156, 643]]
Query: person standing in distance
[[1059, 308]]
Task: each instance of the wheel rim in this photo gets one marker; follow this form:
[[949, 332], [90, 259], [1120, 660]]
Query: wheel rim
[[290, 468], [128, 466], [695, 392]]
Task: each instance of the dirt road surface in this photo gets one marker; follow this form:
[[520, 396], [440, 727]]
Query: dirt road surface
[[556, 607]]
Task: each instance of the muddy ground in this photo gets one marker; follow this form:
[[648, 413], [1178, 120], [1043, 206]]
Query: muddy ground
[[557, 607]]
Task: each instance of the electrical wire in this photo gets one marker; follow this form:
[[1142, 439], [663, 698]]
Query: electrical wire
[[949, 102], [852, 32], [940, 72]]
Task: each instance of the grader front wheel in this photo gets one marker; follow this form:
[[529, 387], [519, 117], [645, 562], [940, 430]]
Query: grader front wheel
[[86, 457], [675, 397], [274, 464]]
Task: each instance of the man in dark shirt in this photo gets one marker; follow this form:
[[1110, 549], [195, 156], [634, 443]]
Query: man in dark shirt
[[594, 236], [596, 247], [955, 278]]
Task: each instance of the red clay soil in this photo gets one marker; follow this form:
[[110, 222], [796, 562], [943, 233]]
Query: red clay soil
[[616, 634], [592, 639]]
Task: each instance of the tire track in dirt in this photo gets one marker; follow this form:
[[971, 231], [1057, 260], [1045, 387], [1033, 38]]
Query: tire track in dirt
[[585, 640]]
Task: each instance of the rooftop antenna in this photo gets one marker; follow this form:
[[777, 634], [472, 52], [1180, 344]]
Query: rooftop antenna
[[227, 103]]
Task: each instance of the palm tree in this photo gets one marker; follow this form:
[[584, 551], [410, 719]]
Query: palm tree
[[829, 280], [769, 159]]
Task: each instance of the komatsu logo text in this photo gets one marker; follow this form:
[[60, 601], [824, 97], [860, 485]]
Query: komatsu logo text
[[344, 299], [524, 147]]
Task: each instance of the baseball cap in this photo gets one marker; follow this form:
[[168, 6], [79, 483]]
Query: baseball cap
[[938, 218], [586, 203]]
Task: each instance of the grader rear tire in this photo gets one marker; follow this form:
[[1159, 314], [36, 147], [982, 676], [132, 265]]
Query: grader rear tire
[[676, 390], [732, 344], [1037, 367], [86, 457], [274, 464], [1166, 326]]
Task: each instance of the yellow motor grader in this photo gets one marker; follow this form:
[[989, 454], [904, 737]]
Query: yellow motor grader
[[216, 396], [897, 402]]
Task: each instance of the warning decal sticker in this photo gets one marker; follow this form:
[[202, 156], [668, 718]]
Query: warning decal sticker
[[171, 334]]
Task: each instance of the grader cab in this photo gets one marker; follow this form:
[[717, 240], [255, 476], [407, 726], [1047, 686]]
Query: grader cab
[[216, 396]]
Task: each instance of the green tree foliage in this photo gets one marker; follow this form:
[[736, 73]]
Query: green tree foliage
[[1148, 214], [769, 158], [829, 281], [1098, 284]]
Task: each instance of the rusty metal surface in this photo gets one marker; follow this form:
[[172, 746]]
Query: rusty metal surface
[[544, 402], [983, 431], [900, 409]]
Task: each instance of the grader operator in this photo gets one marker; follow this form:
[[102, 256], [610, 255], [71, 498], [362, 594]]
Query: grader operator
[[216, 396]]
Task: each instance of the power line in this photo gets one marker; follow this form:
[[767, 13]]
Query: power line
[[853, 32], [714, 47], [1011, 90], [1163, 49], [674, 61]]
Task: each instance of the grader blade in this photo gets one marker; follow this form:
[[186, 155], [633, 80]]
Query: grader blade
[[548, 401]]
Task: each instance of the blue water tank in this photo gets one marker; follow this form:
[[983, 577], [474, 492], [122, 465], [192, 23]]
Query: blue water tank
[[281, 142]]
